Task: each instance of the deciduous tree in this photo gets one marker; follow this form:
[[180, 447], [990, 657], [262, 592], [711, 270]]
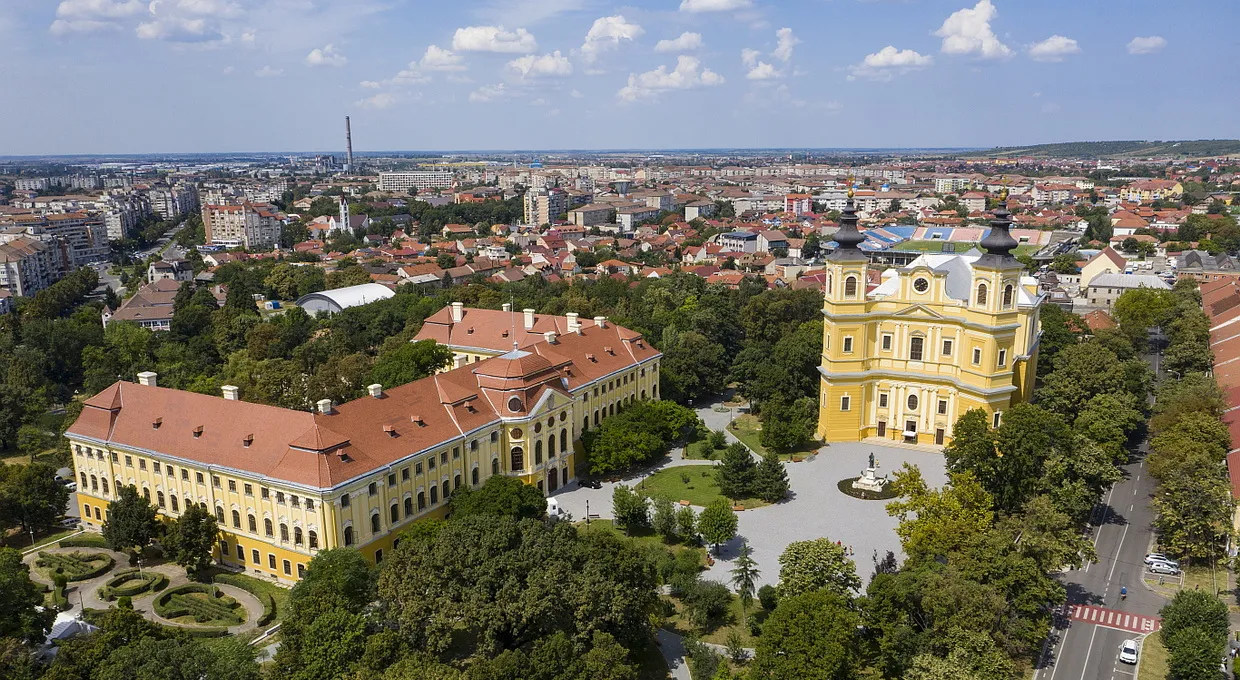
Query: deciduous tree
[[818, 564], [811, 636], [717, 523], [192, 539], [131, 523]]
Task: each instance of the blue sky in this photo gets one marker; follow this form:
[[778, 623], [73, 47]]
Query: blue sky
[[128, 76]]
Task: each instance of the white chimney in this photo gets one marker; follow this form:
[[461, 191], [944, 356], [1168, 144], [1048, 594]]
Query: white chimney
[[325, 406], [458, 311], [549, 336], [459, 360], [148, 378], [574, 322], [600, 321], [529, 319], [507, 306], [231, 392], [375, 390]]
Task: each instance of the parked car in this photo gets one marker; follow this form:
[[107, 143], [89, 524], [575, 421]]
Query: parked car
[[1128, 652], [71, 486], [592, 483], [69, 522], [1159, 557], [1164, 568]]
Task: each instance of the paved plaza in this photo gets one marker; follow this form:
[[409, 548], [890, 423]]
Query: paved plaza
[[815, 507]]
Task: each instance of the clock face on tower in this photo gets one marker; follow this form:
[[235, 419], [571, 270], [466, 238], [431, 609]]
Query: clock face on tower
[[921, 285]]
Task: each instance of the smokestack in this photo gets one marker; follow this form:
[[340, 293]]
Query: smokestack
[[348, 141]]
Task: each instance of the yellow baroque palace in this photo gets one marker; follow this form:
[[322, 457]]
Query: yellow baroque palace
[[908, 351]]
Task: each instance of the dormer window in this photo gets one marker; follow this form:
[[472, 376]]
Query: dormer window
[[981, 294], [1008, 294], [417, 420], [249, 439], [391, 431], [156, 423], [197, 432]]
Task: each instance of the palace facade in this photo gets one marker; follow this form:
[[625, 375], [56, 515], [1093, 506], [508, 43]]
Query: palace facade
[[909, 350], [285, 484]]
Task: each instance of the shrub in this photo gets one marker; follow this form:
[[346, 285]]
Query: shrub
[[269, 602], [131, 582], [124, 602], [703, 661], [179, 602], [768, 597], [75, 566], [707, 602], [89, 540], [755, 624]]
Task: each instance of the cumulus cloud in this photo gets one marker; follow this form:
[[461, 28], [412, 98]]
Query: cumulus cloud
[[785, 42], [554, 65], [749, 57], [889, 62], [967, 31], [488, 93], [383, 100], [269, 72], [606, 33], [1054, 48], [493, 39], [88, 16], [1146, 45], [713, 5], [688, 74], [370, 85], [763, 71], [326, 56], [439, 59], [686, 42], [178, 29]]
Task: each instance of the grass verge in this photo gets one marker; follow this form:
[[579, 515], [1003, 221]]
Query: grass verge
[[1153, 659], [748, 429], [719, 630], [693, 483]]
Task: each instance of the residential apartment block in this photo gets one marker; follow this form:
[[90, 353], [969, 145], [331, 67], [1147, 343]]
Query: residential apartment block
[[26, 266], [285, 484], [545, 206], [415, 179], [249, 225]]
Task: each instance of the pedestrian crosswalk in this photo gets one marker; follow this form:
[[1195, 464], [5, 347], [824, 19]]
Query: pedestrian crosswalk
[[1110, 618]]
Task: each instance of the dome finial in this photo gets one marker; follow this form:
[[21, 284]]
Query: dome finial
[[850, 187]]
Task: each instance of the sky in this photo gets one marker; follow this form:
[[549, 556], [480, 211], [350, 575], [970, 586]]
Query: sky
[[128, 76]]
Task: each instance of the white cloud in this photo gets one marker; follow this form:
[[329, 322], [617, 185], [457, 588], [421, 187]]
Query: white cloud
[[606, 33], [66, 26], [749, 57], [228, 70], [326, 56], [687, 75], [370, 85], [889, 62], [493, 39], [1146, 45], [576, 94], [269, 72], [207, 8], [439, 59], [1054, 48], [713, 5], [178, 29], [88, 16], [686, 42], [786, 41], [249, 37], [383, 100], [763, 71], [488, 93], [967, 31], [552, 65]]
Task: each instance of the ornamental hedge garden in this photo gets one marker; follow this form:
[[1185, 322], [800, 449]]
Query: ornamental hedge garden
[[131, 582], [202, 602], [75, 566]]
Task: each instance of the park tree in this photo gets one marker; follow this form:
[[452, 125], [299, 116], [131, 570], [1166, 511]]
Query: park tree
[[499, 495], [1195, 609], [404, 362], [810, 636], [686, 524], [192, 538], [1088, 369], [325, 631], [171, 659], [21, 600], [131, 525], [771, 479], [717, 523], [1193, 655], [693, 366], [818, 564], [31, 497], [664, 518], [630, 509], [1139, 309], [1110, 420], [971, 655], [745, 576], [1194, 511], [736, 472], [787, 426]]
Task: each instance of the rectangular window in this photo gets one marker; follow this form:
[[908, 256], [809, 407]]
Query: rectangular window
[[977, 355], [271, 560], [232, 486], [141, 463], [254, 556], [155, 467], [915, 346], [882, 400], [430, 462], [847, 344], [249, 490], [184, 475], [417, 468], [443, 457], [392, 479], [344, 501], [114, 458], [886, 342], [266, 493], [404, 474], [373, 489], [942, 407], [995, 419], [128, 461], [288, 568], [947, 348], [301, 570], [1002, 358], [845, 402], [456, 452], [198, 476], [215, 481], [279, 496]]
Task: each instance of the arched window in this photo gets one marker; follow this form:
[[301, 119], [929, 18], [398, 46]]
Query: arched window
[[1007, 296], [84, 481], [267, 527], [518, 459], [408, 506], [159, 496], [146, 493], [981, 294], [283, 531], [104, 481], [456, 481], [421, 500], [830, 281], [916, 346], [434, 494], [551, 446], [446, 491], [564, 433], [236, 518], [348, 535], [253, 524], [473, 477], [173, 501], [495, 466], [912, 402], [850, 287], [394, 513], [219, 514], [94, 483], [374, 523], [297, 535], [314, 540], [538, 452]]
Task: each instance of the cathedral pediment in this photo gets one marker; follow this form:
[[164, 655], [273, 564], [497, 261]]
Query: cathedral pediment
[[919, 310]]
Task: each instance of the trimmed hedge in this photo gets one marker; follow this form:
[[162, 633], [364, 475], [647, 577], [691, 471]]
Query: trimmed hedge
[[131, 582], [212, 632], [84, 541], [269, 602], [178, 602], [75, 566]]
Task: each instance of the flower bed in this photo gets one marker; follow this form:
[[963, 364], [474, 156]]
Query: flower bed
[[75, 566], [202, 602], [845, 486], [131, 582]]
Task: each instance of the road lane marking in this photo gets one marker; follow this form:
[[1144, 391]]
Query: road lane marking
[[1088, 653]]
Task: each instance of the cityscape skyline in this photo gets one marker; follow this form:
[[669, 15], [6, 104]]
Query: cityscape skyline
[[222, 75]]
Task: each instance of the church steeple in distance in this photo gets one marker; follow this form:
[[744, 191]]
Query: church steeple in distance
[[848, 237], [999, 243]]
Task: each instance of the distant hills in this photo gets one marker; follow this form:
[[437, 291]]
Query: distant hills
[[1130, 149]]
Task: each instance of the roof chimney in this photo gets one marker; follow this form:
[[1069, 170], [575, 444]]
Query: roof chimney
[[375, 390], [550, 337], [148, 378], [459, 360], [574, 322], [231, 392], [458, 311], [600, 321], [507, 306], [325, 406], [529, 318]]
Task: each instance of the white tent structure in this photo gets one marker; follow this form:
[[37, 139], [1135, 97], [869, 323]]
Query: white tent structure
[[339, 299]]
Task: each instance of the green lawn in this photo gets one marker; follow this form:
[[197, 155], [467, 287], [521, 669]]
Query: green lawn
[[693, 483], [258, 585], [733, 620], [640, 536], [699, 450], [1153, 659], [748, 429], [21, 540]]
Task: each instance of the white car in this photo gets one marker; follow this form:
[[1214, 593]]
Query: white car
[[1128, 652], [1159, 557], [1164, 568]]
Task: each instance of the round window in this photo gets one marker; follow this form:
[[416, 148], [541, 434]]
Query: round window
[[537, 428], [514, 404], [912, 402], [563, 416], [551, 421], [515, 433], [921, 285]]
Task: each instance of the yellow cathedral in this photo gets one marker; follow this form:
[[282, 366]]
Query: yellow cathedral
[[903, 359]]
